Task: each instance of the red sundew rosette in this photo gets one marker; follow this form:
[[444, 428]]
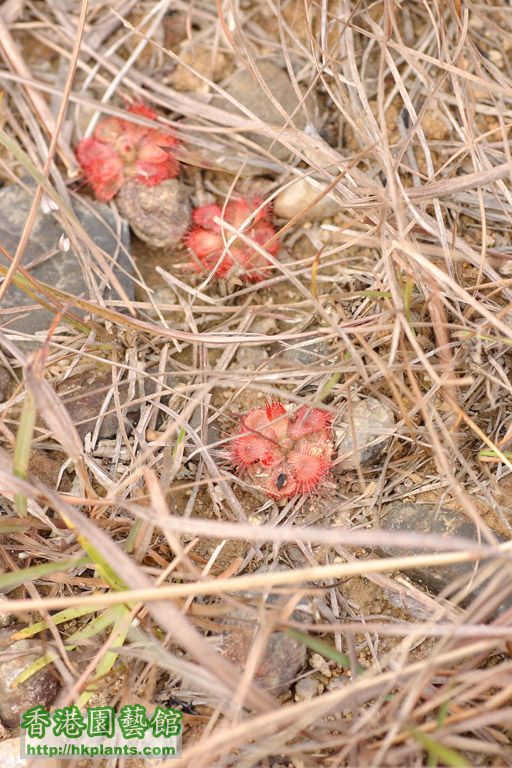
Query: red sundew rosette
[[208, 244], [284, 454], [120, 150]]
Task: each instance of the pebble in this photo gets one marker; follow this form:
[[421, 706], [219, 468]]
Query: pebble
[[243, 87], [295, 198], [55, 267], [6, 618], [83, 395], [307, 688], [428, 518], [41, 688], [335, 683], [200, 58], [373, 421], [251, 356], [159, 215], [5, 384], [312, 354], [264, 325], [320, 664]]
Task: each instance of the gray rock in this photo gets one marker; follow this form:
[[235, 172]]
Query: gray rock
[[5, 384], [373, 423], [41, 688], [296, 197], [428, 518], [307, 688], [243, 87], [159, 215], [47, 263], [313, 353]]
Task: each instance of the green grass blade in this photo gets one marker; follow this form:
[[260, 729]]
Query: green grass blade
[[438, 752], [58, 618], [324, 649], [23, 448], [119, 632], [36, 666], [39, 571]]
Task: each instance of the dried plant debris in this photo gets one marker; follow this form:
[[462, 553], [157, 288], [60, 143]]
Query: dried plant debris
[[291, 387]]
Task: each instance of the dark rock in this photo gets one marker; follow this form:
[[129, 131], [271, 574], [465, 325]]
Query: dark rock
[[430, 519], [316, 353], [47, 263], [41, 688], [45, 467], [283, 656], [281, 661], [84, 393]]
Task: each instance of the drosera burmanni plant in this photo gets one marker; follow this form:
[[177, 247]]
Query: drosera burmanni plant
[[121, 150], [239, 260], [282, 451]]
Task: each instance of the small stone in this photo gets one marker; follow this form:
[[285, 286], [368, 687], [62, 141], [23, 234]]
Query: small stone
[[211, 64], [335, 683], [83, 395], [373, 425], [266, 326], [496, 57], [313, 353], [41, 688], [429, 518], [320, 664], [55, 267], [45, 467], [159, 215], [296, 197], [244, 87], [249, 355], [307, 688], [6, 618]]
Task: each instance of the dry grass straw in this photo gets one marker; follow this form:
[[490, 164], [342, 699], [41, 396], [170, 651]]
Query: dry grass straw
[[403, 297]]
